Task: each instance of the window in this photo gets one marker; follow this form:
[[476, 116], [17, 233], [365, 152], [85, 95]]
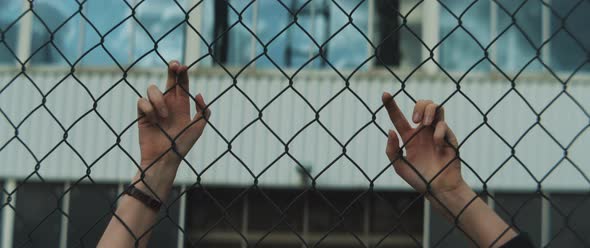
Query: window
[[210, 210], [444, 233], [570, 48], [36, 215], [53, 20], [90, 207], [60, 36], [10, 12], [288, 46], [515, 44], [309, 215], [569, 220], [523, 211], [461, 48]]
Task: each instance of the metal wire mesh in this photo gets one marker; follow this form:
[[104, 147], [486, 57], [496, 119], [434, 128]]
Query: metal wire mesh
[[381, 55]]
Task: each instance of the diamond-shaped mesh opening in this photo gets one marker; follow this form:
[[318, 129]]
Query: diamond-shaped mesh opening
[[292, 153]]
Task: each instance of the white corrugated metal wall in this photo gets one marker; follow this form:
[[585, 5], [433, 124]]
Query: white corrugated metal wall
[[257, 147]]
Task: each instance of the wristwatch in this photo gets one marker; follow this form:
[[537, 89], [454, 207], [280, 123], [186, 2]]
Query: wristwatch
[[143, 198]]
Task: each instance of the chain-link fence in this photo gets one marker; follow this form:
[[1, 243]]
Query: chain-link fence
[[294, 152]]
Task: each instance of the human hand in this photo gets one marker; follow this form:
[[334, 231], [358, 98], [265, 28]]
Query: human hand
[[431, 153], [165, 122]]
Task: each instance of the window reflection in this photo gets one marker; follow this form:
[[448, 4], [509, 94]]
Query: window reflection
[[519, 43], [569, 50], [158, 18], [11, 11], [459, 51], [115, 29], [52, 19]]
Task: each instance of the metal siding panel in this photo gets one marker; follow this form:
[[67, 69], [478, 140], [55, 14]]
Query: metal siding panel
[[231, 112]]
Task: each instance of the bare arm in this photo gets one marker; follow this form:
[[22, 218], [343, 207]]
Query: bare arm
[[431, 159], [160, 116]]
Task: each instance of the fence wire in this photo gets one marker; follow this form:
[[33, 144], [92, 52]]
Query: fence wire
[[385, 54]]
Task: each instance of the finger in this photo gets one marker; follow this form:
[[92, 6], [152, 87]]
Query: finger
[[200, 118], [144, 108], [396, 115], [440, 114], [392, 149], [419, 110], [443, 131], [429, 114], [157, 100], [201, 106], [172, 69], [182, 73]]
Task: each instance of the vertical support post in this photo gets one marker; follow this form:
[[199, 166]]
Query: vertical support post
[[545, 221], [305, 220], [25, 34], [426, 224], [367, 222], [8, 215], [371, 31], [65, 207], [182, 217], [545, 33], [244, 243], [493, 30], [192, 49], [254, 29], [430, 33]]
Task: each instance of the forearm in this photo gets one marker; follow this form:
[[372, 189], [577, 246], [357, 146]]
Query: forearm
[[133, 219], [475, 217]]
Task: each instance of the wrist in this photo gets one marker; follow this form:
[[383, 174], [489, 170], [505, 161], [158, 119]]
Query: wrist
[[453, 200], [156, 180]]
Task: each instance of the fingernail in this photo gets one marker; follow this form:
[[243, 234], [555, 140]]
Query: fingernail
[[417, 117], [390, 137], [163, 112], [427, 120]]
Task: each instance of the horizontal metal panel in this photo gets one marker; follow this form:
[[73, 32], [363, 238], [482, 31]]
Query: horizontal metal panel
[[93, 109]]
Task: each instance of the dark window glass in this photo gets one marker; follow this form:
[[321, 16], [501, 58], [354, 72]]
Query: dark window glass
[[53, 19], [324, 208], [264, 215], [523, 211], [569, 220], [165, 233], [399, 212], [570, 49], [90, 212], [37, 220], [214, 217], [445, 234], [9, 14]]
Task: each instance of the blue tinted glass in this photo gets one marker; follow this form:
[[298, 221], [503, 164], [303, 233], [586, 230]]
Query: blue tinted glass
[[9, 14], [349, 39], [518, 42], [293, 46], [116, 29], [160, 21], [461, 49], [571, 49], [54, 18]]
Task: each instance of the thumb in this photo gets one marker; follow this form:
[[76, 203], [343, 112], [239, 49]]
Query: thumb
[[392, 150]]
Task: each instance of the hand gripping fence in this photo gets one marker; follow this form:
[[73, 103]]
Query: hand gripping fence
[[486, 92]]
